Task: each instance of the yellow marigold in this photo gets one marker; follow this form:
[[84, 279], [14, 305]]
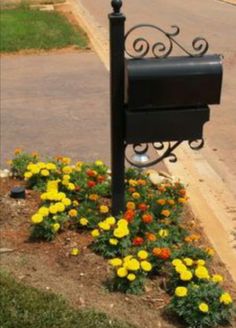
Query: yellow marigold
[[146, 266], [61, 196], [95, 233], [133, 183], [203, 307], [67, 170], [132, 264], [37, 218], [71, 186], [104, 225], [83, 221], [181, 291], [41, 165], [60, 207], [186, 275], [44, 196], [143, 255], [122, 272], [53, 209], [131, 277], [136, 195], [180, 268], [188, 261], [75, 203], [166, 213], [52, 185], [176, 262], [121, 232], [217, 278], [73, 213], [225, 298], [55, 227], [163, 233], [110, 220], [35, 169], [113, 241], [94, 197], [66, 201], [104, 209], [75, 251], [161, 202], [66, 160], [115, 262], [122, 223], [44, 211], [171, 202], [99, 163], [201, 272], [182, 200], [66, 177], [45, 173], [130, 206], [127, 258], [27, 175], [51, 166], [201, 262]]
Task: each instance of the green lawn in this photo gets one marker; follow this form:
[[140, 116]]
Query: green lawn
[[26, 307], [22, 28]]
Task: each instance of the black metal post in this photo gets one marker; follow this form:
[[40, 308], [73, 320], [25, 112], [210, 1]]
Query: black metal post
[[117, 22]]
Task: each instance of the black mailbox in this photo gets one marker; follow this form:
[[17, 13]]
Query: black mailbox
[[174, 82]]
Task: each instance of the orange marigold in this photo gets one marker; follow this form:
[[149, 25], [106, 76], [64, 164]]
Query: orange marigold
[[137, 241], [166, 213], [129, 215], [147, 218], [150, 236]]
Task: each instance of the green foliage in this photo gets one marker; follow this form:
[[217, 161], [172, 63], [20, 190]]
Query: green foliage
[[22, 28], [188, 308], [30, 308], [20, 162], [191, 251]]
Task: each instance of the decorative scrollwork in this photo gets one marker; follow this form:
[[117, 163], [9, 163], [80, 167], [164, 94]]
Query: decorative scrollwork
[[167, 148], [141, 46], [141, 149], [196, 144]]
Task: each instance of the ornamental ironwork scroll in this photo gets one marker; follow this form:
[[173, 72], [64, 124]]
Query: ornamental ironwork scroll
[[167, 149], [141, 47]]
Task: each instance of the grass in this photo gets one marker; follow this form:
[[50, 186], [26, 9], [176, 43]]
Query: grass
[[23, 306], [23, 28]]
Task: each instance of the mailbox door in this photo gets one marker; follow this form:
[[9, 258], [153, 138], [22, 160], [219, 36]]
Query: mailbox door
[[165, 125], [173, 82]]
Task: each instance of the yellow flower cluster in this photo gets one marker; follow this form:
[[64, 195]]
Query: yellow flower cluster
[[226, 299], [200, 271], [128, 265], [122, 229], [41, 168], [58, 204], [107, 223]]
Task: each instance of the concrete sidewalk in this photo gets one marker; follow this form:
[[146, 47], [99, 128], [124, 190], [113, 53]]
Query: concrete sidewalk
[[55, 104]]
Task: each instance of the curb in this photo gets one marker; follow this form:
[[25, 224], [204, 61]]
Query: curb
[[215, 208]]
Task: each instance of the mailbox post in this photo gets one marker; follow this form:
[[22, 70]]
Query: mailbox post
[[117, 59], [156, 98]]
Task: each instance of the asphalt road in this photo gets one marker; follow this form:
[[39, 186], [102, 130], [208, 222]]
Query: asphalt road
[[216, 21], [55, 104]]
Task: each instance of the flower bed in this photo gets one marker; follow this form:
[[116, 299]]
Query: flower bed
[[147, 239]]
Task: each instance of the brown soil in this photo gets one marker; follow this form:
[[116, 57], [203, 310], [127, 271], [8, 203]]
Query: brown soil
[[80, 279]]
